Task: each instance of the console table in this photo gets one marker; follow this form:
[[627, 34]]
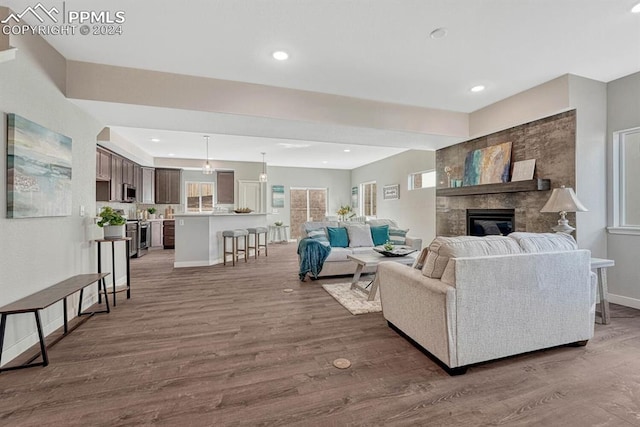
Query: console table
[[600, 265]]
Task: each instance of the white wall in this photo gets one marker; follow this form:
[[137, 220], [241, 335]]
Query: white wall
[[337, 182], [589, 98], [623, 112], [414, 209], [38, 252]]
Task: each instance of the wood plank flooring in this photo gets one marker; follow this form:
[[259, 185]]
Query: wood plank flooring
[[225, 346]]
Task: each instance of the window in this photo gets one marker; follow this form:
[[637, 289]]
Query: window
[[627, 185], [369, 203], [424, 179], [199, 196]]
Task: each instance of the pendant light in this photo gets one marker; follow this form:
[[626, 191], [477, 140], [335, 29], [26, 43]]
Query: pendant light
[[263, 175], [207, 169]]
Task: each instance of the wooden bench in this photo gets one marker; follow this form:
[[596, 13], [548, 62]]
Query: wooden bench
[[45, 298]]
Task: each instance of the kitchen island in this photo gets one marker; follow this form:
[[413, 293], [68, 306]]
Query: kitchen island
[[198, 237]]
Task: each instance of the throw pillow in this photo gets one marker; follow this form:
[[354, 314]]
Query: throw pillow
[[443, 248], [338, 237], [359, 235], [544, 242], [380, 235], [319, 235], [398, 236]]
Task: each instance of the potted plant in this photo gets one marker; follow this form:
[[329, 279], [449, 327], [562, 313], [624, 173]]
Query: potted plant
[[343, 211], [112, 223], [152, 213]]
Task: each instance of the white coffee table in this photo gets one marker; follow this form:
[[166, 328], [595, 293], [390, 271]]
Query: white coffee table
[[372, 260]]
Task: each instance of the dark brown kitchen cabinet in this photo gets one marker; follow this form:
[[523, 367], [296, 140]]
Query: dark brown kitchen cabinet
[[137, 181], [103, 165], [147, 188], [167, 186], [116, 178], [169, 233], [226, 187], [127, 172]]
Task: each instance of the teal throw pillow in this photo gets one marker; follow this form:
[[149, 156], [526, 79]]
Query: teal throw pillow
[[380, 234], [338, 237]]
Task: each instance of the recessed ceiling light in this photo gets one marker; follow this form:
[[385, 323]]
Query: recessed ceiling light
[[478, 88], [324, 162], [347, 150], [438, 33], [636, 8], [171, 154], [291, 145], [155, 140], [280, 55]]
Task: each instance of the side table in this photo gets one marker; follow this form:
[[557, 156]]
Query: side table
[[600, 266], [113, 266], [278, 231]]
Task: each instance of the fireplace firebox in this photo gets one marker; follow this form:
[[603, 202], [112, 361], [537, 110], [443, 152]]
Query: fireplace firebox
[[484, 222]]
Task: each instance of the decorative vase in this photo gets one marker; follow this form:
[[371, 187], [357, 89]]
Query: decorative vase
[[152, 216], [112, 232]]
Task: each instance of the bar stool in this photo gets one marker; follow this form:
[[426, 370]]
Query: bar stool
[[235, 235], [256, 232]]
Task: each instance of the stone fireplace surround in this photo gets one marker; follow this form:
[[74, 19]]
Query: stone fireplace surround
[[551, 141]]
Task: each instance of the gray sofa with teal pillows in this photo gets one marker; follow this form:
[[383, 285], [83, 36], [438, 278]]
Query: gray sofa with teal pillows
[[346, 238]]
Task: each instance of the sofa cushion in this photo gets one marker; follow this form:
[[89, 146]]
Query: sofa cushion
[[319, 235], [316, 225], [398, 236], [359, 235], [338, 237], [443, 248], [544, 242], [378, 222], [380, 234], [362, 250], [338, 254]]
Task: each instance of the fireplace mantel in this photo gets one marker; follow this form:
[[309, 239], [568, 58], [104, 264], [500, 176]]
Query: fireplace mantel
[[504, 187]]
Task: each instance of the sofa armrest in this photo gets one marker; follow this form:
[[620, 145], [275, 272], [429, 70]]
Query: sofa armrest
[[421, 307], [414, 242]]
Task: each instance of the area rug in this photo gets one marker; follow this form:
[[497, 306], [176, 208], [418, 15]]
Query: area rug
[[353, 300]]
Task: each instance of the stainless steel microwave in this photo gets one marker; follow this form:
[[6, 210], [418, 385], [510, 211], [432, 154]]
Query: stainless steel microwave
[[128, 193]]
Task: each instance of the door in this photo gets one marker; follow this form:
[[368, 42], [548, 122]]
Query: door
[[307, 204]]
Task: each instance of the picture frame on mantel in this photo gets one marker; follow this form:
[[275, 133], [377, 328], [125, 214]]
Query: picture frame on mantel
[[523, 170], [391, 192]]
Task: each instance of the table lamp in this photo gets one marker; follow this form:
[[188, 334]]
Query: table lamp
[[563, 200]]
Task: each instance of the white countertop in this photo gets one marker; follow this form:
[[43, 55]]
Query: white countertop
[[187, 215]]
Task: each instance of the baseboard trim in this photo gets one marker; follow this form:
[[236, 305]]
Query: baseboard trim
[[625, 301]]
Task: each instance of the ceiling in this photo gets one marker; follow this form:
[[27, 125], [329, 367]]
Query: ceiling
[[375, 50]]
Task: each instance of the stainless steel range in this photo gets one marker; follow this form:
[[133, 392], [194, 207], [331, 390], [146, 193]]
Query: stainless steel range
[[144, 237], [140, 234]]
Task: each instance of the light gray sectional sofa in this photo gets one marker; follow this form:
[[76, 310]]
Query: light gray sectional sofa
[[482, 298], [337, 262]]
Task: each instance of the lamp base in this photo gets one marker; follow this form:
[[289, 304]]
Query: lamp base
[[563, 227]]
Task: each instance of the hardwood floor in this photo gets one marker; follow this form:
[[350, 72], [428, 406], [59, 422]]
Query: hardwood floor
[[225, 346]]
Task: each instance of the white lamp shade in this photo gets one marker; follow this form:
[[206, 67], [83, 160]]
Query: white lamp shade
[[563, 199]]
